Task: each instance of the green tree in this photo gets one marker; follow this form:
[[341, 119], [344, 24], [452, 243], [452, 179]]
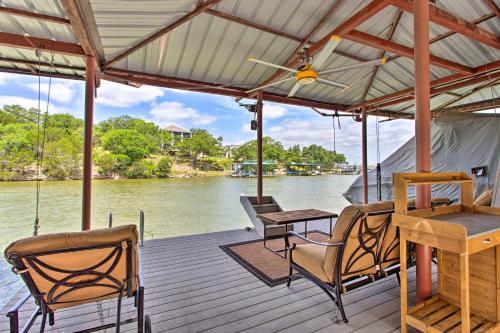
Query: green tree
[[128, 142], [294, 154], [271, 150], [17, 114], [142, 169], [164, 167], [202, 143]]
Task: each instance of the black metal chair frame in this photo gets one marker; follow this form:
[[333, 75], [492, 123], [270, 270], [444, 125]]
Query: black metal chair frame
[[338, 287], [101, 279]]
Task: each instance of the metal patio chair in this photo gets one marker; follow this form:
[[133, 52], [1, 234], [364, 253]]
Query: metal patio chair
[[65, 270], [364, 248]]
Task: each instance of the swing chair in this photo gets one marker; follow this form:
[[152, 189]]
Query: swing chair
[[65, 270]]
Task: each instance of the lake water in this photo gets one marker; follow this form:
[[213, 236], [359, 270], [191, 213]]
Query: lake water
[[172, 207]]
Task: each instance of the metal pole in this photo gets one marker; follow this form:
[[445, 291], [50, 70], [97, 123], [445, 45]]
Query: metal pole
[[141, 227], [87, 150], [364, 152], [110, 222], [422, 135], [259, 147]]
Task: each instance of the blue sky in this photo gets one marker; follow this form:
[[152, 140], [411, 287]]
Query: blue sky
[[218, 114]]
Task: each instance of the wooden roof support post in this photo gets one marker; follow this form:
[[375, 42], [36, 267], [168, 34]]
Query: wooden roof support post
[[422, 135], [259, 147], [364, 153], [87, 150]]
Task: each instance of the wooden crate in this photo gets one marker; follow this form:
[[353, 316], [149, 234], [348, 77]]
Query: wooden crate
[[468, 243]]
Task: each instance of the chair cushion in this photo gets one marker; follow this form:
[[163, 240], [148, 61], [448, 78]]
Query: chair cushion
[[311, 258], [46, 268]]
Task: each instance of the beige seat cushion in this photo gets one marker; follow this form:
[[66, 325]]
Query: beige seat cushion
[[311, 258], [77, 260]]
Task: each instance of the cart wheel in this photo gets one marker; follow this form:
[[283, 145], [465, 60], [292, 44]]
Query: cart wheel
[[147, 324]]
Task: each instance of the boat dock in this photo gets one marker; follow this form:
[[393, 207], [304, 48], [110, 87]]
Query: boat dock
[[194, 286]]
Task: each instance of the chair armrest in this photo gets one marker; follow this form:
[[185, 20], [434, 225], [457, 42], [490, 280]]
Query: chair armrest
[[295, 234]]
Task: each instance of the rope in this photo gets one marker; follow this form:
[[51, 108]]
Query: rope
[[40, 147]]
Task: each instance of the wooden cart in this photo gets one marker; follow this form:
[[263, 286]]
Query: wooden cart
[[468, 243]]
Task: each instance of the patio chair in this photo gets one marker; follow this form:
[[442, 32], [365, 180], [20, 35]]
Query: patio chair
[[364, 247], [69, 269]]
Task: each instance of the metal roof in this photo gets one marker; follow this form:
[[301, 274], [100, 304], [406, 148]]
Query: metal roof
[[211, 49]]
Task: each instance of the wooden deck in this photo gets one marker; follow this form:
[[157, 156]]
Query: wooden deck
[[193, 286]]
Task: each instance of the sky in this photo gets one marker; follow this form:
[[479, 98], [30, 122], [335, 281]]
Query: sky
[[220, 115]]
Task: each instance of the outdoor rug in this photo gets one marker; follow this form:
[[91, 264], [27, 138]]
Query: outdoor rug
[[269, 267]]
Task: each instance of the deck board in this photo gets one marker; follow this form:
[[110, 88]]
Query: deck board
[[193, 286]]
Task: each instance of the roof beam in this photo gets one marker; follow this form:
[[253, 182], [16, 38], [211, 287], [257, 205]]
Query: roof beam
[[493, 6], [211, 88], [442, 89], [454, 23], [80, 23], [381, 54], [348, 25], [28, 42], [402, 50], [254, 25], [44, 64], [470, 107], [36, 16], [198, 10], [41, 73], [435, 83]]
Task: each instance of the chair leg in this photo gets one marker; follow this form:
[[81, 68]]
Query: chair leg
[[51, 318], [399, 278], [290, 272], [44, 317], [340, 306], [140, 310], [119, 312]]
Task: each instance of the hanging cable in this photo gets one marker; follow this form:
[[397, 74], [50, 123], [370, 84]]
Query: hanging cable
[[41, 134], [379, 170]]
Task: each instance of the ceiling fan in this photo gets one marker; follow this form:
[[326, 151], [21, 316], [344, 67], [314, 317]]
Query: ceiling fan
[[310, 69]]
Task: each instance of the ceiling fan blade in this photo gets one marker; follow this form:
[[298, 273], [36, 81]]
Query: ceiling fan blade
[[326, 51], [270, 84], [294, 89], [332, 83], [361, 64], [252, 59]]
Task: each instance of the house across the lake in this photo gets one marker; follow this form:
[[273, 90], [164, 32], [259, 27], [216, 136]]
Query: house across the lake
[[179, 132]]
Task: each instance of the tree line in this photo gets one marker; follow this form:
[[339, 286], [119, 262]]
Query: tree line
[[123, 146]]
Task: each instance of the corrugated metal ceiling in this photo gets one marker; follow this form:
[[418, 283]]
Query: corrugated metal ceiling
[[212, 49]]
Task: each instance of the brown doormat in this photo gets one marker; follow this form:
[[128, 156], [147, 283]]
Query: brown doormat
[[269, 267]]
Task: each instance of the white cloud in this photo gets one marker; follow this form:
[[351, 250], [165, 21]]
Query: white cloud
[[122, 96], [178, 91], [61, 92], [177, 113], [273, 111], [33, 103], [4, 77], [348, 139]]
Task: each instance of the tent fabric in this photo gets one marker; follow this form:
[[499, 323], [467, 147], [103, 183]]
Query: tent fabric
[[459, 142]]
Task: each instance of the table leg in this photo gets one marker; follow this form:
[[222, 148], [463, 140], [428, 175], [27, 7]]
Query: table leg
[[403, 280], [305, 230], [331, 227], [286, 230]]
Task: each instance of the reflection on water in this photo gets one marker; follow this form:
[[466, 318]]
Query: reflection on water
[[172, 207]]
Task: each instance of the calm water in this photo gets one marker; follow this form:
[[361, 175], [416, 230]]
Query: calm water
[[172, 207]]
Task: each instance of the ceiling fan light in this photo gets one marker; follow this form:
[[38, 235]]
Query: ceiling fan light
[[306, 76]]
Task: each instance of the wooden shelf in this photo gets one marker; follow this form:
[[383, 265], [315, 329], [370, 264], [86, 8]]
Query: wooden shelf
[[436, 315]]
